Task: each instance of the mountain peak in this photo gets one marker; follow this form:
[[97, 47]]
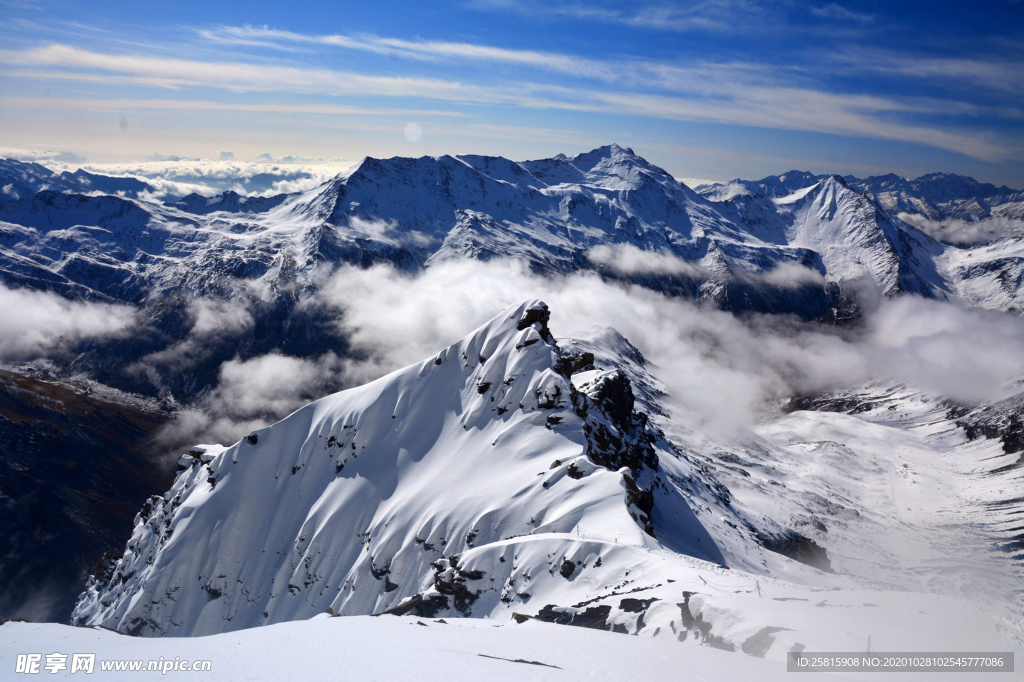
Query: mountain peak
[[609, 152], [444, 488]]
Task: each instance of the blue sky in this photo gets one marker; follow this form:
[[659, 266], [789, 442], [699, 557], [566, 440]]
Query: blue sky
[[713, 89]]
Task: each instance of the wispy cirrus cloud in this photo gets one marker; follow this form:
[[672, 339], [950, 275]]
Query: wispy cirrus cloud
[[723, 16], [425, 50], [838, 12], [1000, 74], [723, 93], [117, 105]]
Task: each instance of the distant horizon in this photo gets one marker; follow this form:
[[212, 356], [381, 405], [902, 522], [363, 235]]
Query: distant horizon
[[58, 162], [716, 88]]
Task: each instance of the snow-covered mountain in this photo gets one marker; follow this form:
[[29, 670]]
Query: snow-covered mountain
[[516, 475], [411, 492], [20, 179], [511, 477], [936, 196], [809, 253]]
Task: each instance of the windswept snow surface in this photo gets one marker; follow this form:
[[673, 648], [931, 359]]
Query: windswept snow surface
[[484, 482], [362, 648]]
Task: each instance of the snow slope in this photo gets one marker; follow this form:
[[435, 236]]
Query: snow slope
[[406, 648], [484, 482], [365, 502]]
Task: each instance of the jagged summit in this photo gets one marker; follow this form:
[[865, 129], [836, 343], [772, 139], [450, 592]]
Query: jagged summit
[[610, 152], [456, 486], [508, 477]]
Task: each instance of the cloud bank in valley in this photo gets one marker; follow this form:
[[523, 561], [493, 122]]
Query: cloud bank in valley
[[251, 394], [34, 324], [626, 259], [966, 233], [722, 371], [724, 368], [173, 177]]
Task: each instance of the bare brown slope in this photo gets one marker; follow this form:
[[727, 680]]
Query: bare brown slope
[[74, 470]]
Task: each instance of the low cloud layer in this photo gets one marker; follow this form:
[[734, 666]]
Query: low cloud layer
[[213, 321], [40, 156], [251, 394], [177, 177], [626, 259], [718, 366], [786, 275], [723, 372], [389, 231], [35, 323], [964, 232], [629, 260]]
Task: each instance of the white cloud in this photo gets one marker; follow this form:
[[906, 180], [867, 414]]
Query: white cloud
[[195, 105], [271, 384], [219, 317], [251, 394], [999, 75], [429, 50], [626, 259], [388, 231], [966, 232], [952, 351], [696, 183], [719, 16], [840, 13], [35, 155], [35, 323], [213, 322], [722, 370], [176, 177], [732, 93], [787, 275]]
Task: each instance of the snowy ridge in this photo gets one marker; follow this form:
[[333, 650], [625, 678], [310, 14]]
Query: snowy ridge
[[19, 179], [504, 477], [857, 240], [603, 210], [937, 196], [453, 456], [560, 215]]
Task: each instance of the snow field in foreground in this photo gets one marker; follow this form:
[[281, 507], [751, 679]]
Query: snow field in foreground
[[394, 648]]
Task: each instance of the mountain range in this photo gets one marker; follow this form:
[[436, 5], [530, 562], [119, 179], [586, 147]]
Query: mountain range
[[936, 196], [813, 253], [514, 474], [22, 179]]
